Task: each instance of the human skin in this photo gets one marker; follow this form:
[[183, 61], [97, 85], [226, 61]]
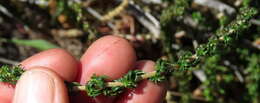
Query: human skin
[[43, 81]]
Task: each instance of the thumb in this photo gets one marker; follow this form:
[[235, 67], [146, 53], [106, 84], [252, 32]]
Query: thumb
[[40, 85]]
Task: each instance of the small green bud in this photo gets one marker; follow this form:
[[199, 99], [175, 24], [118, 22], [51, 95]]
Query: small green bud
[[10, 74], [163, 71], [95, 85], [131, 78]]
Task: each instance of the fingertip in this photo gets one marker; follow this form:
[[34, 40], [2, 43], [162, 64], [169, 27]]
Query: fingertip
[[145, 65], [40, 85], [112, 56], [6, 92], [58, 60], [146, 91]]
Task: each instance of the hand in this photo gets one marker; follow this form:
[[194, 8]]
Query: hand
[[43, 81]]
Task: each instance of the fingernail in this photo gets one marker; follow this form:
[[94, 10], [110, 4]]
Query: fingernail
[[35, 86]]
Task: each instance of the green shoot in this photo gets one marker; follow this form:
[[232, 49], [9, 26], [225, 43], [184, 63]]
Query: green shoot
[[163, 69], [10, 74]]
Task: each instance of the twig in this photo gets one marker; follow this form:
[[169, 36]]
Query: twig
[[116, 11], [200, 74], [153, 19], [94, 13], [195, 44], [7, 61], [5, 11], [152, 1], [98, 16], [235, 68], [215, 4], [142, 18], [190, 22], [115, 84], [255, 22], [10, 15]]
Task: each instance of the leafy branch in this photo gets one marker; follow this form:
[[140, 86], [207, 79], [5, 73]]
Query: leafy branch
[[10, 74], [163, 69]]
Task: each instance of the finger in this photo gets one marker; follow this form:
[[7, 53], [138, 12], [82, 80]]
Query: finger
[[146, 92], [57, 60], [40, 85], [111, 56], [6, 92]]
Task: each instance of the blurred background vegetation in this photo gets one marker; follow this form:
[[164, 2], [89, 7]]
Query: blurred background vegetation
[[156, 28]]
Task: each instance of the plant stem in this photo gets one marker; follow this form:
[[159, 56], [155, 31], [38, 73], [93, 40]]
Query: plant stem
[[142, 77], [116, 11], [115, 84]]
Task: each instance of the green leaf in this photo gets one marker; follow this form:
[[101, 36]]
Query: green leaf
[[38, 44]]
